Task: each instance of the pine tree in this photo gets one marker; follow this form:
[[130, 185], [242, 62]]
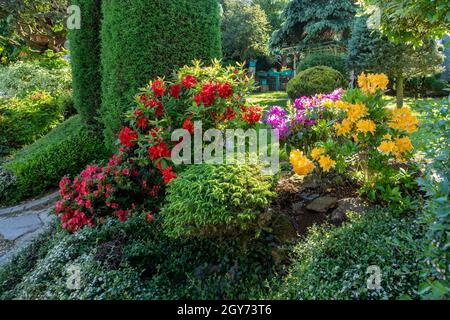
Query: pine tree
[[308, 22]]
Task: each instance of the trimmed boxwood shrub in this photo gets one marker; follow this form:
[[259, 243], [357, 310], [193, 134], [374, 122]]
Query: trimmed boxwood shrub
[[315, 80], [212, 200], [144, 39], [65, 150], [337, 62], [85, 57]]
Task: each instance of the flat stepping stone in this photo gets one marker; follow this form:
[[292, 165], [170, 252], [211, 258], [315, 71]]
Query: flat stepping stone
[[322, 204], [37, 204], [12, 228]]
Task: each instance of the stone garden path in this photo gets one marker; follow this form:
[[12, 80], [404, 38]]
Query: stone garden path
[[21, 224]]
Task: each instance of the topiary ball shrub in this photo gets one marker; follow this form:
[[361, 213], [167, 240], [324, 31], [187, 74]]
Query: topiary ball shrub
[[315, 80], [216, 200], [337, 62]]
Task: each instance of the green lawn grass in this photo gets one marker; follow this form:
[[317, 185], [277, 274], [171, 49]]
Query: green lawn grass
[[269, 95]]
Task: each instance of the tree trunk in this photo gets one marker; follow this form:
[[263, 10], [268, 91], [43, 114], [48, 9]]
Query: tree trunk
[[399, 86]]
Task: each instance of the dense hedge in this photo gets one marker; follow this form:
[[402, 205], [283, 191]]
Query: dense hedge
[[144, 39], [315, 80], [85, 56], [65, 150], [337, 62]]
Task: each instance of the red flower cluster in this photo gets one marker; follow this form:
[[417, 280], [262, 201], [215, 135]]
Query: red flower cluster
[[167, 173], [189, 81], [252, 114], [229, 115], [158, 88], [225, 90], [175, 91], [158, 151], [188, 125], [141, 120], [211, 90], [127, 137]]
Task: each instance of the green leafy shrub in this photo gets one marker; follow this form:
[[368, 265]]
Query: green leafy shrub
[[423, 86], [315, 80], [85, 59], [436, 210], [24, 120], [214, 200], [337, 62], [65, 150], [138, 44], [333, 261], [22, 78]]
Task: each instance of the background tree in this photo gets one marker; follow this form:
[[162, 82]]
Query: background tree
[[245, 31], [273, 10], [146, 39], [40, 23], [410, 20], [85, 46], [370, 51], [308, 22]]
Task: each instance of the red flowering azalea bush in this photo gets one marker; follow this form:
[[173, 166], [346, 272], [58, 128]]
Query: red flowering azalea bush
[[136, 176], [120, 187]]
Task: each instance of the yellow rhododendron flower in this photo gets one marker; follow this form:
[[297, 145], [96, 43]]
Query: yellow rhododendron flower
[[387, 137], [326, 163], [356, 112], [403, 144], [404, 120], [317, 152], [342, 105], [302, 165], [366, 126], [343, 128], [372, 82], [386, 147]]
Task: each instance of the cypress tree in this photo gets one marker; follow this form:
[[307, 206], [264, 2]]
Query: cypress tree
[[85, 46], [144, 39]]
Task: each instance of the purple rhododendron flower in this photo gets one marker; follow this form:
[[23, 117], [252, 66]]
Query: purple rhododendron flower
[[276, 118]]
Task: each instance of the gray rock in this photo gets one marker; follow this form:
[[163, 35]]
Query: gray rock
[[20, 244], [45, 216], [309, 197], [12, 228], [322, 204], [37, 204], [345, 205]]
